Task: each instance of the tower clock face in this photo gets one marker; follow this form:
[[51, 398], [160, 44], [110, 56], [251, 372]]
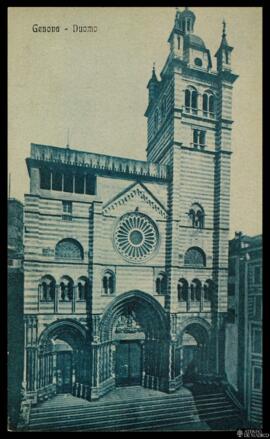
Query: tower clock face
[[136, 237]]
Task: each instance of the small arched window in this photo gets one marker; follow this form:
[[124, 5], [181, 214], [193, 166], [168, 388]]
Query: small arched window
[[82, 288], [195, 257], [194, 100], [205, 103], [108, 282], [178, 42], [195, 290], [69, 249], [163, 107], [191, 99], [196, 216], [227, 57], [184, 26], [47, 289], [187, 99], [191, 215], [156, 120], [211, 104], [66, 289], [208, 104], [208, 289], [161, 283], [182, 290]]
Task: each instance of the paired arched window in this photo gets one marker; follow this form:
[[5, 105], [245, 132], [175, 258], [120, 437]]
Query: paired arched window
[[108, 282], [47, 289], [69, 249], [196, 216], [161, 283], [195, 257], [82, 288], [191, 99], [208, 289], [66, 289], [208, 103], [182, 290]]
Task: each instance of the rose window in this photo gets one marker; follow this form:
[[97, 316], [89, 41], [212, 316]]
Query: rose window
[[136, 237]]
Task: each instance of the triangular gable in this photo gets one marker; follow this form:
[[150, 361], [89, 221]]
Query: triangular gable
[[136, 190]]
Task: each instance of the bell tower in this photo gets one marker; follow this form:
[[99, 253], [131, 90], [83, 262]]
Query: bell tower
[[188, 60], [189, 129]]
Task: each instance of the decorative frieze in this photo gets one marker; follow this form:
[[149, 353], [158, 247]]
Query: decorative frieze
[[98, 161]]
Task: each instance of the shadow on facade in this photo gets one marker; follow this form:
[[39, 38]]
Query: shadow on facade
[[15, 345]]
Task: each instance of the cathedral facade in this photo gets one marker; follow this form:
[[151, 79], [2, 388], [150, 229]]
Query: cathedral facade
[[125, 263]]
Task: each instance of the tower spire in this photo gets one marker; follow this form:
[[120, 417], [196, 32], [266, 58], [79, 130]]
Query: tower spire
[[224, 33], [223, 54], [224, 28], [67, 145], [153, 84], [154, 76]]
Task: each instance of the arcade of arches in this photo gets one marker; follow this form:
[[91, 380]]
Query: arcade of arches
[[131, 344]]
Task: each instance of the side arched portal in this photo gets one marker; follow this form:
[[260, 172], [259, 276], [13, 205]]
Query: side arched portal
[[194, 345], [63, 361]]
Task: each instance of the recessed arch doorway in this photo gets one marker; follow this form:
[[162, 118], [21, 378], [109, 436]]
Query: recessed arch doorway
[[63, 359], [135, 325], [195, 350]]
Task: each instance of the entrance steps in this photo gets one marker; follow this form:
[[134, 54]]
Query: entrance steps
[[181, 410]]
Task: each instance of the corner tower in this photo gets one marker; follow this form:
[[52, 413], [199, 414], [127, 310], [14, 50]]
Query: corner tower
[[189, 129]]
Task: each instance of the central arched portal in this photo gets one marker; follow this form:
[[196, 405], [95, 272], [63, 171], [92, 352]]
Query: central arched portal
[[135, 325], [129, 338]]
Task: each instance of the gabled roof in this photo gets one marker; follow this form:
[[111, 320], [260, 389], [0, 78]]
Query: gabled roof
[[135, 190]]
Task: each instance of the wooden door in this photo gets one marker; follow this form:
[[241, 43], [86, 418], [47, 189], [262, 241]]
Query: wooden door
[[64, 372], [128, 364]]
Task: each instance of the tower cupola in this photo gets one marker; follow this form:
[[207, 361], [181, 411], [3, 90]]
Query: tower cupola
[[184, 21], [185, 45]]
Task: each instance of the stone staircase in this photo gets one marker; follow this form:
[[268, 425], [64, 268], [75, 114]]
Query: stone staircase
[[203, 411]]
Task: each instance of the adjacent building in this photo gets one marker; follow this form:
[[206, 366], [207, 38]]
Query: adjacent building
[[244, 361], [15, 308], [126, 261]]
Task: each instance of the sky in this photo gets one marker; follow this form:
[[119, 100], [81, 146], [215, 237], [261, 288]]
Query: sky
[[94, 86]]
